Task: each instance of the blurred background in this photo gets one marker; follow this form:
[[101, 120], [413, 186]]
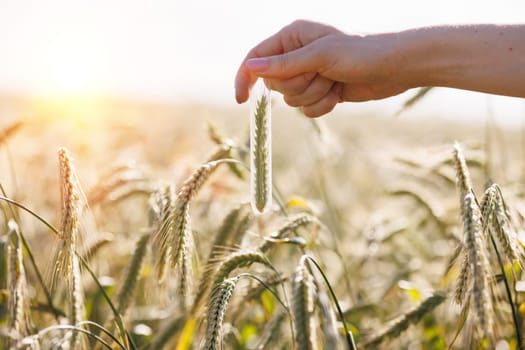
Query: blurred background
[[187, 52]]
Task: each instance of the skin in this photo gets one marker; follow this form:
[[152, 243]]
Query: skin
[[316, 66]]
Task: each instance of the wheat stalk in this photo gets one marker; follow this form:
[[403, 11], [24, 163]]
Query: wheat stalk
[[171, 222], [464, 184], [239, 259], [194, 183], [227, 151], [289, 227], [18, 306], [132, 275], [67, 262], [504, 232], [303, 301], [218, 304], [182, 240], [77, 302], [403, 322], [329, 324], [162, 204], [479, 265], [260, 154], [183, 247], [463, 281]]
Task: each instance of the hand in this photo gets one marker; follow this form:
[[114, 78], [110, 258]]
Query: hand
[[315, 66]]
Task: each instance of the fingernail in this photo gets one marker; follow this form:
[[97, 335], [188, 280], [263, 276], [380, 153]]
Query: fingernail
[[257, 64]]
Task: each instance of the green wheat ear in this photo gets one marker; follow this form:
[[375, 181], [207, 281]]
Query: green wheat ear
[[261, 154]]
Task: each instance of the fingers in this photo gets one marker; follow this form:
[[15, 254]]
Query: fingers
[[325, 104], [284, 66], [316, 90], [293, 86], [245, 78], [289, 64], [277, 56]]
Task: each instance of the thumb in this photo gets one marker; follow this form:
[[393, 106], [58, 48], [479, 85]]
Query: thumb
[[286, 65]]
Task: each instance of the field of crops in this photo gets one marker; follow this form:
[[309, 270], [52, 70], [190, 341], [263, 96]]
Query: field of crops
[[129, 226]]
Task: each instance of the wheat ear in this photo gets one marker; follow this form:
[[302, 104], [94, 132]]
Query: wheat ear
[[18, 303], [132, 274], [402, 323], [67, 261], [505, 233], [162, 203], [260, 153], [239, 259], [219, 303], [291, 226], [182, 240], [329, 324], [303, 301], [479, 265], [464, 184], [463, 281], [182, 248]]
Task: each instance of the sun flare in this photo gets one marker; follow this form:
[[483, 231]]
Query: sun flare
[[71, 66]]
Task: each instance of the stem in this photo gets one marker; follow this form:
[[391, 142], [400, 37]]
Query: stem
[[274, 293], [266, 286], [28, 250], [348, 334], [104, 330], [76, 329], [123, 333], [21, 206], [515, 317]]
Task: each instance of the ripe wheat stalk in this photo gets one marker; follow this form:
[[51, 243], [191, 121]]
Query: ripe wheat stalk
[[131, 277], [18, 307], [292, 225], [67, 263], [220, 298], [479, 269], [464, 184], [303, 302], [404, 321]]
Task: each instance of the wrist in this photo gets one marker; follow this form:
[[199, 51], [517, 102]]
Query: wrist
[[427, 57]]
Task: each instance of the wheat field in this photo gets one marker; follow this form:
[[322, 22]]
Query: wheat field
[[128, 226]]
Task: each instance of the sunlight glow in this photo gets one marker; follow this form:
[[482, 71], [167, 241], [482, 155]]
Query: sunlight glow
[[69, 72]]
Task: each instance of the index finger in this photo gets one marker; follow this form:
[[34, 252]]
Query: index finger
[[245, 79]]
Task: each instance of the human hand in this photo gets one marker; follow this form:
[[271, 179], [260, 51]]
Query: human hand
[[315, 66]]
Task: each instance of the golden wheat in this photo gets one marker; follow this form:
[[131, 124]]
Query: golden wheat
[[479, 265], [303, 301], [18, 306], [132, 274], [403, 322], [218, 304], [464, 184], [66, 260]]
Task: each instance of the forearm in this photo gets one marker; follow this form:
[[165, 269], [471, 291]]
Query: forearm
[[487, 58]]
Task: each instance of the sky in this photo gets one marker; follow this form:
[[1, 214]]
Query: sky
[[190, 50]]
